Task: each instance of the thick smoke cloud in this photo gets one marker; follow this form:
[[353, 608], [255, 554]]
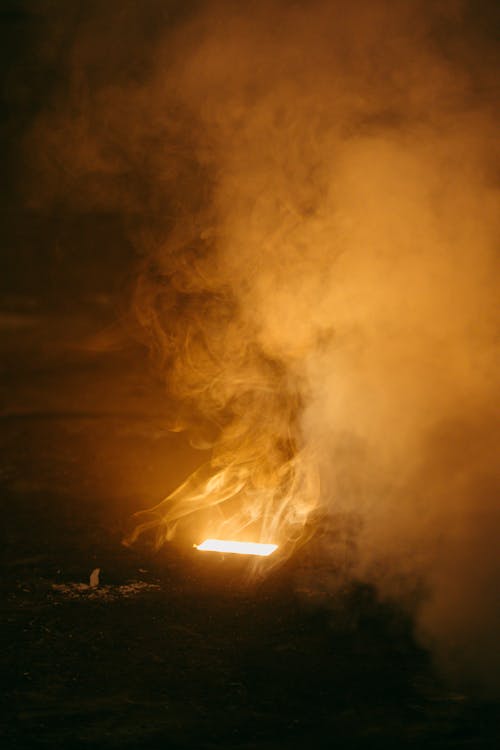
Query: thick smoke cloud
[[312, 189]]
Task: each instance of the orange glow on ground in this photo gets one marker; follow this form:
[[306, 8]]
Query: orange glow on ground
[[238, 548]]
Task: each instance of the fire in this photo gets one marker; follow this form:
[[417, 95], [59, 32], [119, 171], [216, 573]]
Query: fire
[[238, 548], [259, 493], [261, 481]]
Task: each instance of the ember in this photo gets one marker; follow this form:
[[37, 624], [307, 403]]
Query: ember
[[238, 548]]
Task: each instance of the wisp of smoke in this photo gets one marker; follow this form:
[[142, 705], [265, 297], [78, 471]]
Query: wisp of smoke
[[310, 187]]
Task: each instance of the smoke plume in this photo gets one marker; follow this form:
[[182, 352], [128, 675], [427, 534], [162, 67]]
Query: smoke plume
[[311, 189]]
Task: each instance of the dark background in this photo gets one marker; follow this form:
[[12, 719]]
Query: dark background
[[194, 656]]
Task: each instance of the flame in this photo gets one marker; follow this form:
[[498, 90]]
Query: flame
[[261, 480], [253, 485], [238, 548]]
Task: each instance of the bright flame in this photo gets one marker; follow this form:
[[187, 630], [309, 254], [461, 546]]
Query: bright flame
[[238, 548]]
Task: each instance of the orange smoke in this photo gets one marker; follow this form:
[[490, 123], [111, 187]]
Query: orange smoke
[[311, 189]]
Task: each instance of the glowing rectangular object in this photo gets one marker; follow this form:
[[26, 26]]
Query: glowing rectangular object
[[238, 548]]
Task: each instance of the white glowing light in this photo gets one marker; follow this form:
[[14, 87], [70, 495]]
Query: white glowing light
[[238, 548]]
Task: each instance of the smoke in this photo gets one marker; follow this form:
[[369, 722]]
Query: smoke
[[312, 190]]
